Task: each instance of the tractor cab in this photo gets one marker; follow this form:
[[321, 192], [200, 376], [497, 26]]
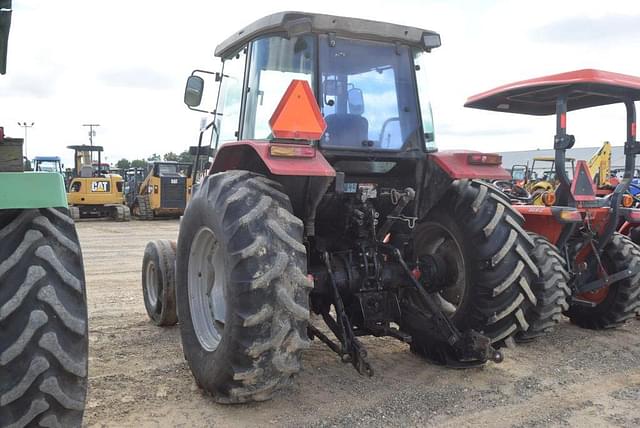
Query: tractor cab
[[368, 79], [48, 164]]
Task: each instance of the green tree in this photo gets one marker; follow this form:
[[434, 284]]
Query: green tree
[[138, 163], [185, 157], [154, 157], [170, 157], [123, 164]]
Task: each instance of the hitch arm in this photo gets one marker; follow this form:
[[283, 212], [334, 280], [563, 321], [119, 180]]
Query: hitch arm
[[468, 346], [351, 349]]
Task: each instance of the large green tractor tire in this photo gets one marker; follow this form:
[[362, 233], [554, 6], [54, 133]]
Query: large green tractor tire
[[618, 302], [43, 320], [478, 235], [550, 288], [242, 289]]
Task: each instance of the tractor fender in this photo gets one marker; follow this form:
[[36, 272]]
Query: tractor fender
[[455, 164], [255, 156]]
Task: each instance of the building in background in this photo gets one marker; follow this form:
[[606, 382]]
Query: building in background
[[582, 153]]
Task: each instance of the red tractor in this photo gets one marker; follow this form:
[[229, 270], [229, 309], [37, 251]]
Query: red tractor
[[578, 252], [328, 196]]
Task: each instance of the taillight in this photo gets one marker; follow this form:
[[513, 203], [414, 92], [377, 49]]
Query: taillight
[[627, 200], [292, 151], [484, 159], [548, 198]]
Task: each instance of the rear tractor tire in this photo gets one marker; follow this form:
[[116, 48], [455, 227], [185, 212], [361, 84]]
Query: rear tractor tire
[[158, 282], [618, 302], [43, 320], [242, 289], [550, 288], [478, 234]]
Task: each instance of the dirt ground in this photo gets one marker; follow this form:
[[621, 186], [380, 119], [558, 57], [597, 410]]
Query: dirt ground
[[138, 376]]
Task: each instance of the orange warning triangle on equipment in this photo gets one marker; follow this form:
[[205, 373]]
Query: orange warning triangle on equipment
[[297, 116]]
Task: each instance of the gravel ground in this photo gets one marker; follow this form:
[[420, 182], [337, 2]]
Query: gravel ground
[[138, 376]]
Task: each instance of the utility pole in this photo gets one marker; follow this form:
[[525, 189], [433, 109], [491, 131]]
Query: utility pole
[[26, 126], [92, 133]]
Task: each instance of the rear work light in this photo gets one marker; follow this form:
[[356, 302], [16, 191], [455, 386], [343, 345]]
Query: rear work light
[[292, 151], [484, 159]]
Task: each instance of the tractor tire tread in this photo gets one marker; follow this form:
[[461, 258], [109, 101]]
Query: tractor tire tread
[[267, 263], [550, 288], [623, 299], [43, 319]]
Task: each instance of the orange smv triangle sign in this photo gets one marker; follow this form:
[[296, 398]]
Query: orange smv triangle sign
[[297, 116]]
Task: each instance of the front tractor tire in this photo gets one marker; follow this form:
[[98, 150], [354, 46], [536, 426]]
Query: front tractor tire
[[477, 234], [158, 282], [618, 302], [43, 320], [242, 291]]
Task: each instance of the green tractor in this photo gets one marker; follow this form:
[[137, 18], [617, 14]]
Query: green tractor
[[43, 309]]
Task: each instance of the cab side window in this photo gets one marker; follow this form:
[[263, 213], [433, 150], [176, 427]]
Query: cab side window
[[231, 96], [75, 186]]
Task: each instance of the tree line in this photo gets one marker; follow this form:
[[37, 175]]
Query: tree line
[[142, 163]]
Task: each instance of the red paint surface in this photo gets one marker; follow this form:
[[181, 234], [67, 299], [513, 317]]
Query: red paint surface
[[456, 165], [578, 76], [539, 219], [235, 155]]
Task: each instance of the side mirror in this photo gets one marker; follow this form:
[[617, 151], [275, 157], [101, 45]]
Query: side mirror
[[193, 91]]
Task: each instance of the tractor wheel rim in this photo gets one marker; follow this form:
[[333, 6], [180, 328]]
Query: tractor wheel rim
[[441, 242], [152, 284], [206, 274]]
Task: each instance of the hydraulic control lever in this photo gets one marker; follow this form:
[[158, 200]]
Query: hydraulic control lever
[[401, 200]]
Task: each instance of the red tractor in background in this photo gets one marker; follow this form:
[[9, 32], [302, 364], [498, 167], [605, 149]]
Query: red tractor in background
[[587, 269], [327, 196]]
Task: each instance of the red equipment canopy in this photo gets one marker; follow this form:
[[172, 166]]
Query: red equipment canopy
[[584, 88]]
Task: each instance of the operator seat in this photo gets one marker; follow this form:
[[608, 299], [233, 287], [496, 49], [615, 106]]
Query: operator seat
[[346, 130]]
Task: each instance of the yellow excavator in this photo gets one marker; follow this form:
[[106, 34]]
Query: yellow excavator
[[93, 192], [600, 169]]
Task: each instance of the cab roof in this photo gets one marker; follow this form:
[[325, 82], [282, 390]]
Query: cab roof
[[584, 89], [86, 148], [294, 23], [47, 159], [551, 159]]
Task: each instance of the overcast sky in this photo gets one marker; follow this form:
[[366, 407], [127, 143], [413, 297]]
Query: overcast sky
[[123, 64]]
